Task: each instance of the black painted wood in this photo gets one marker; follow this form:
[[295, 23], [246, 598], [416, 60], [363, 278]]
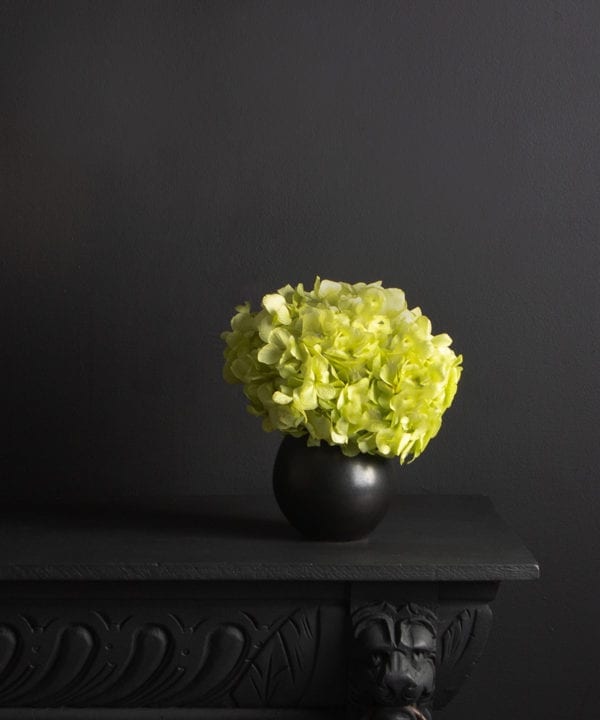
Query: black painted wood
[[423, 538], [166, 714], [159, 610]]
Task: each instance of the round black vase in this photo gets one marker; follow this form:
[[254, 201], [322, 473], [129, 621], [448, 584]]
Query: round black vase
[[328, 496]]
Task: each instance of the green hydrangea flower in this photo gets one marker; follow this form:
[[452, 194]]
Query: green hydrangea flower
[[347, 364]]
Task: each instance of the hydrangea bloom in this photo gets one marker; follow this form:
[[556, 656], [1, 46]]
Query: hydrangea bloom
[[347, 364]]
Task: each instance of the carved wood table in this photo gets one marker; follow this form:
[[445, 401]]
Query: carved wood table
[[213, 607]]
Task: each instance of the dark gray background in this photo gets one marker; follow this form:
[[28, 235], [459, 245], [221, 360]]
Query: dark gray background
[[162, 162]]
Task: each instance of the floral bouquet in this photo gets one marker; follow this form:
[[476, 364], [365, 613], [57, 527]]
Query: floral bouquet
[[350, 365]]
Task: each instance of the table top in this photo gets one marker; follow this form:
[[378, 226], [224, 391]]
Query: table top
[[422, 538]]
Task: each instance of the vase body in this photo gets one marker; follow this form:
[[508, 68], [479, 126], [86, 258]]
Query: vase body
[[326, 495]]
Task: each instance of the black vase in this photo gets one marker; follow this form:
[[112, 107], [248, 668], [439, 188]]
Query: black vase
[[328, 496]]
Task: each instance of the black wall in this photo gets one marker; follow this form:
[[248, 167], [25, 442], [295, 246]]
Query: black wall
[[162, 162]]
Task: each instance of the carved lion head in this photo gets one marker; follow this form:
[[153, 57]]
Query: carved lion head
[[393, 659]]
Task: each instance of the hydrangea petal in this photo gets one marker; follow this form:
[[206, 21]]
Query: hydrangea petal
[[350, 365]]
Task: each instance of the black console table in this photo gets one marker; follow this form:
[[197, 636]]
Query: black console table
[[214, 607]]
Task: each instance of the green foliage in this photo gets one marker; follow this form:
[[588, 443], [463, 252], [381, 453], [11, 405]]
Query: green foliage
[[347, 364]]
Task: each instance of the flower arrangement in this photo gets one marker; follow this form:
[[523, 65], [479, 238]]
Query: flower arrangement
[[347, 364]]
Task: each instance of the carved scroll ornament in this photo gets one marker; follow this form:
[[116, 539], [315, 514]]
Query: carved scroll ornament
[[246, 659]]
